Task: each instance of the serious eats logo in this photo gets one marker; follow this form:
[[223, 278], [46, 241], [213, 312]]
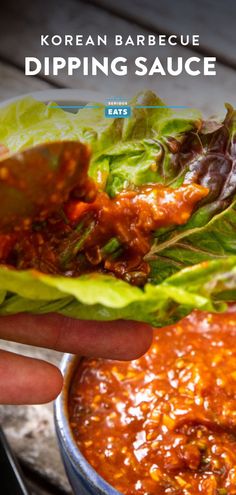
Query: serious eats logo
[[117, 107]]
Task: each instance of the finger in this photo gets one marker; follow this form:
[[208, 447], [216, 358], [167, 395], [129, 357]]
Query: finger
[[27, 381], [118, 339]]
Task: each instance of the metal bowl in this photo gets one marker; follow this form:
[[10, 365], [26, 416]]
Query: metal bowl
[[83, 478]]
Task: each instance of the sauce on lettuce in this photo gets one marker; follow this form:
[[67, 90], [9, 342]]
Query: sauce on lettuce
[[119, 230], [193, 265], [91, 231]]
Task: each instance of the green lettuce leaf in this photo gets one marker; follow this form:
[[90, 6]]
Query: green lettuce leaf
[[192, 266], [210, 233], [103, 297], [124, 151], [143, 151]]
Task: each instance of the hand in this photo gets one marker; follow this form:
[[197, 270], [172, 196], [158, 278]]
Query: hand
[[25, 380]]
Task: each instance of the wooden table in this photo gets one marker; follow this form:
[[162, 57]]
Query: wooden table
[[30, 429]]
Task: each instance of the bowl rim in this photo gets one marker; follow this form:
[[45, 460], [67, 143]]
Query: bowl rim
[[68, 365]]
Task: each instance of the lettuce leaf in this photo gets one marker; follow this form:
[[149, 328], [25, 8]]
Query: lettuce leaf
[[103, 297], [124, 151], [210, 233], [192, 266]]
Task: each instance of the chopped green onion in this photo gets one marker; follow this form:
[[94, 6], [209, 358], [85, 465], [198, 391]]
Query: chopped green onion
[[111, 246]]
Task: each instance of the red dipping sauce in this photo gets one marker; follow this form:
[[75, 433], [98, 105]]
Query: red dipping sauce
[[164, 423]]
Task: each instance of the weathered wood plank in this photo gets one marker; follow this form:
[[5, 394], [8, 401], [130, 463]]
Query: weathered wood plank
[[76, 17], [213, 20], [30, 429], [13, 82]]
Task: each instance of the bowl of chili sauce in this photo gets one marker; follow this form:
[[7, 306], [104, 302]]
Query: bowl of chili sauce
[[162, 424]]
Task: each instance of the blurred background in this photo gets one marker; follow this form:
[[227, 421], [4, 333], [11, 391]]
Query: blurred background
[[30, 429], [22, 23]]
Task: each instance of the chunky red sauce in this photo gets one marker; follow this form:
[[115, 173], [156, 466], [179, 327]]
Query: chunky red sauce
[[90, 231], [164, 423]]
